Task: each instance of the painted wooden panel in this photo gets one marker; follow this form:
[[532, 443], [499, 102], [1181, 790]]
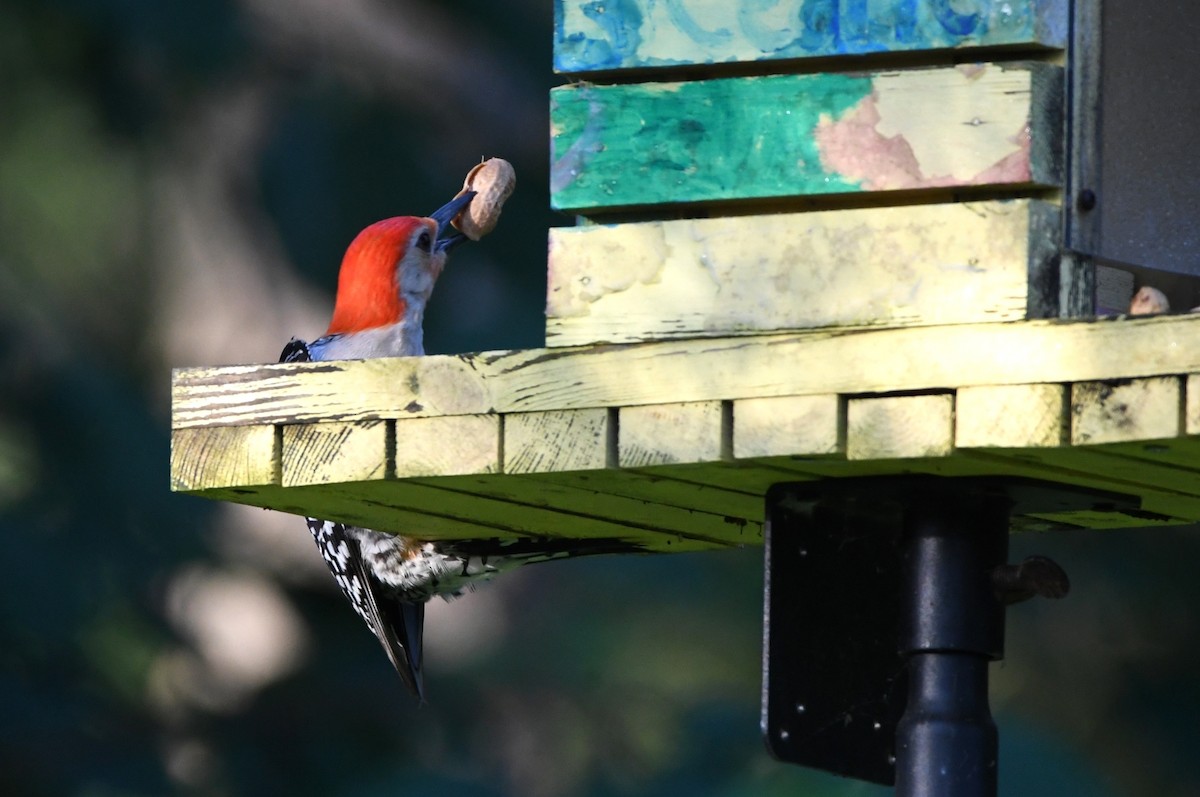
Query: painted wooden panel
[[661, 489], [599, 35], [557, 440], [902, 266], [900, 427], [1192, 411], [677, 485], [1119, 411], [1010, 416], [581, 508], [337, 451], [847, 362], [662, 434], [787, 426], [802, 135], [447, 445], [223, 456]]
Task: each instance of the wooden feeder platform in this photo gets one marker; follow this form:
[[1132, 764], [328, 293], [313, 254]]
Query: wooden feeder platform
[[812, 242], [674, 443]]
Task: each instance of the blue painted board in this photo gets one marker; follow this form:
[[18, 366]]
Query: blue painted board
[[602, 35]]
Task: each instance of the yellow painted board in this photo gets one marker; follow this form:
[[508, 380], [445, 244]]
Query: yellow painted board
[[556, 440], [572, 501], [898, 266], [338, 451], [223, 456], [847, 362], [965, 463], [1041, 463], [372, 505], [659, 489], [788, 426], [900, 427], [1118, 411], [468, 499], [1192, 413], [1179, 452], [448, 445], [664, 434], [1113, 465], [747, 476], [1010, 416]]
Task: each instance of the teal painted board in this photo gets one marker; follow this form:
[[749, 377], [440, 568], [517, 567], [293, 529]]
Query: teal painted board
[[601, 35], [796, 135]]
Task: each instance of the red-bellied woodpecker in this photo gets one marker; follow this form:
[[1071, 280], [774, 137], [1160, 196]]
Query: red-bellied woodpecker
[[386, 278]]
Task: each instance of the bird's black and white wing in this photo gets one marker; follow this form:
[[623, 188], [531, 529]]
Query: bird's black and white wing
[[398, 624]]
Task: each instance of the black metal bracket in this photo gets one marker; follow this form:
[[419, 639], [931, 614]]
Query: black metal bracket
[[885, 601]]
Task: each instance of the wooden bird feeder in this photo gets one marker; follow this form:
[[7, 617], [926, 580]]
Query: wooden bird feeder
[[836, 266]]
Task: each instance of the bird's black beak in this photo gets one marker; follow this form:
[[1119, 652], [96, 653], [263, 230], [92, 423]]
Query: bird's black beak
[[446, 238]]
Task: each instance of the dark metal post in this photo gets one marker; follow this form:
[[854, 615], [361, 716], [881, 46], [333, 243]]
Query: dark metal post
[[885, 601], [951, 628]]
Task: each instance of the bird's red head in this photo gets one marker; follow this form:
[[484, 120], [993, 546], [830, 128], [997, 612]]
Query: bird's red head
[[370, 290]]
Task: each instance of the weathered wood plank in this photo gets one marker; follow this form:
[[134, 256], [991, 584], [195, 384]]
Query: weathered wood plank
[[1182, 453], [1010, 416], [469, 498], [868, 361], [1113, 466], [556, 440], [362, 504], [747, 476], [223, 456], [902, 266], [900, 427], [581, 505], [1035, 463], [658, 489], [668, 434], [325, 453], [1192, 406], [1043, 463], [787, 426], [1120, 411], [447, 446], [798, 135], [594, 37]]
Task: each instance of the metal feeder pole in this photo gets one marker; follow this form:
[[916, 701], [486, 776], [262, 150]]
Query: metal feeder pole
[[951, 629]]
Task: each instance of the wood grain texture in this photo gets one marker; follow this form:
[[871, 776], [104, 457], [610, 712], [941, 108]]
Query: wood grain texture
[[374, 505], [556, 440], [747, 476], [447, 446], [667, 434], [1011, 416], [325, 453], [902, 266], [787, 426], [677, 484], [1043, 463], [596, 37], [1120, 411], [583, 512], [900, 427], [223, 456], [868, 361], [666, 490], [803, 135], [1192, 411]]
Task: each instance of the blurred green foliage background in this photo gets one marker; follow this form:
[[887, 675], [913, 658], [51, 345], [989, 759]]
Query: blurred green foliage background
[[178, 182]]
